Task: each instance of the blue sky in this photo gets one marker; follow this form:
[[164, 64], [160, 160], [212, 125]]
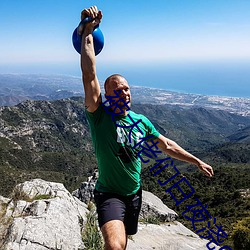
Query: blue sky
[[35, 35]]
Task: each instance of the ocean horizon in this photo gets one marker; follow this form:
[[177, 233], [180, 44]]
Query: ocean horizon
[[229, 79]]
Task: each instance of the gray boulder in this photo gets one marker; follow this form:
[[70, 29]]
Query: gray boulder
[[42, 215], [152, 206], [167, 236], [85, 192]]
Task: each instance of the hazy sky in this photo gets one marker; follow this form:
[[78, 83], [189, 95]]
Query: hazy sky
[[36, 35], [40, 30]]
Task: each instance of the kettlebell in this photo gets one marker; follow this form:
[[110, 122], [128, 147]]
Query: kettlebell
[[98, 37]]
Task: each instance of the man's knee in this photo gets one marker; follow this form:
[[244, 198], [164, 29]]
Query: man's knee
[[114, 235], [115, 245]]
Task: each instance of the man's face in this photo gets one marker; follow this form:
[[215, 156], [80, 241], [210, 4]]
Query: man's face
[[120, 85]]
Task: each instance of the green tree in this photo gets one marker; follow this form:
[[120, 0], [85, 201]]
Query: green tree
[[241, 234]]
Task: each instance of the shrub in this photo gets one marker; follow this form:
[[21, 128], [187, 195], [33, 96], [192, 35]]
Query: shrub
[[241, 234], [91, 235]]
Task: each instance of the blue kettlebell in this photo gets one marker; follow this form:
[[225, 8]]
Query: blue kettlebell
[[98, 37]]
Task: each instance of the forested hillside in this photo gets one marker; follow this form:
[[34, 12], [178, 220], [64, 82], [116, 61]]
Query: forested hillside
[[51, 140]]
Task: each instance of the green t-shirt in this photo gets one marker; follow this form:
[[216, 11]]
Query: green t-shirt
[[118, 163]]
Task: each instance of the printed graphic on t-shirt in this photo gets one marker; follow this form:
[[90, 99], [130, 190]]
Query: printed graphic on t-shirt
[[128, 138]]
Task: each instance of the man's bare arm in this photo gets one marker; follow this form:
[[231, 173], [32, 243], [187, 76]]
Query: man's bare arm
[[88, 63], [174, 150]]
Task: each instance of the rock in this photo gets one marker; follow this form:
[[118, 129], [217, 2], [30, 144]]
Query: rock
[[4, 215], [245, 193], [44, 215], [168, 236], [85, 192], [153, 206]]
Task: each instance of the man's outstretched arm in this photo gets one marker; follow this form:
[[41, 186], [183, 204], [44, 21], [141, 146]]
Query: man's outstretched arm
[[88, 64], [174, 150]]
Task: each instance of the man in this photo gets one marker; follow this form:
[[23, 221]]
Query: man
[[118, 190]]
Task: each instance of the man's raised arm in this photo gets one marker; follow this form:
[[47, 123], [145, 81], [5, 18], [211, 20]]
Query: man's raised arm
[[88, 64]]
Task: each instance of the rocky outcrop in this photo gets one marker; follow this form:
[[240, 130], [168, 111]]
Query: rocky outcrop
[[153, 206], [85, 192], [168, 236], [43, 215], [245, 193]]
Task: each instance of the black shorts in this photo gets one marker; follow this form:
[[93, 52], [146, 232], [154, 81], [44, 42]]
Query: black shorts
[[117, 207]]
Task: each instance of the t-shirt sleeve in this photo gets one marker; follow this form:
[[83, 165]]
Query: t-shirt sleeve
[[94, 117], [151, 130]]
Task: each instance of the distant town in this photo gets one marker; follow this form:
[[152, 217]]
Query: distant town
[[162, 97], [16, 88]]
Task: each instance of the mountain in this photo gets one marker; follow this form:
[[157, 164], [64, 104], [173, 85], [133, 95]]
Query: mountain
[[236, 150], [195, 128], [15, 88], [51, 139], [45, 139], [241, 136]]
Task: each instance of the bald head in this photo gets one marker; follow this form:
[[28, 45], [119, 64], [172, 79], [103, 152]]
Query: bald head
[[117, 85], [114, 80]]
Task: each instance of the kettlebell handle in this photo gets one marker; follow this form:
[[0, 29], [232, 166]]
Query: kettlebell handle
[[85, 21]]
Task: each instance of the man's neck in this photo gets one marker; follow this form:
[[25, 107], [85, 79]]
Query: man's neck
[[125, 112]]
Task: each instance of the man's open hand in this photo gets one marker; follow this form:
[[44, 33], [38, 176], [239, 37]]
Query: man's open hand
[[206, 169]]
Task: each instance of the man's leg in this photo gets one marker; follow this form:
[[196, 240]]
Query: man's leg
[[111, 212], [133, 207], [114, 235]]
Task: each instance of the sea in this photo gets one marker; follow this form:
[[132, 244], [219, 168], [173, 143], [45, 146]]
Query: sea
[[228, 79]]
